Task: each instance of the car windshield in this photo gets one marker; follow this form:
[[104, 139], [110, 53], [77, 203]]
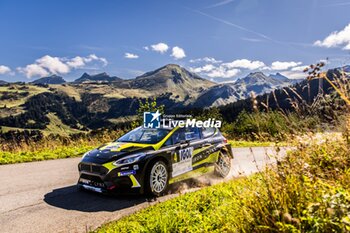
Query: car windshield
[[142, 135]]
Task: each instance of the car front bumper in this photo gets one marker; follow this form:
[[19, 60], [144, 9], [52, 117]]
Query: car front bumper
[[119, 180]]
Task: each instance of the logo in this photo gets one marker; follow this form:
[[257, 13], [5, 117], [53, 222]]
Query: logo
[[151, 119], [127, 173]]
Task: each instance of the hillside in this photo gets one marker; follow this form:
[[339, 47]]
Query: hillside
[[285, 98], [95, 101], [172, 79]]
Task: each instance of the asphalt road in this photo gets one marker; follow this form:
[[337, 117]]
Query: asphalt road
[[42, 196]]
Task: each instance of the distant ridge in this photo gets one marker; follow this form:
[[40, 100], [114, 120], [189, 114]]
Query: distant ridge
[[102, 77], [53, 79], [256, 82]]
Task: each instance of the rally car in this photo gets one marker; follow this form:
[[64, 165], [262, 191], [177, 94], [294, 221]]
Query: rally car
[[147, 160]]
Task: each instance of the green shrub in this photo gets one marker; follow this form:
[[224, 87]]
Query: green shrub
[[269, 126]]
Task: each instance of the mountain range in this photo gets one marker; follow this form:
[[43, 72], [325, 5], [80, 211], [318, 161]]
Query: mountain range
[[53, 79], [94, 101], [256, 82], [102, 77], [183, 85]]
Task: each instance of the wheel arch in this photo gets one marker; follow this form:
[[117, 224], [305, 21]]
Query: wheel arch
[[227, 149], [148, 166], [157, 158]]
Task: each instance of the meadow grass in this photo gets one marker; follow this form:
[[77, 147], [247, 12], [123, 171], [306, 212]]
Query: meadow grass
[[54, 147], [59, 152], [308, 191]]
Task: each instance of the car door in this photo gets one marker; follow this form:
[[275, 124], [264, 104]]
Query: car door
[[204, 154], [186, 141]]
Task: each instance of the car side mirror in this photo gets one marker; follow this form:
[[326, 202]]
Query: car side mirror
[[184, 142]]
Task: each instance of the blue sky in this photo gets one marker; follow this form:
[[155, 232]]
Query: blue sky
[[221, 40]]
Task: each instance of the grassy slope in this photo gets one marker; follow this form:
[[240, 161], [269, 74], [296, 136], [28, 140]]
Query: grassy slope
[[33, 90], [68, 90], [309, 192], [56, 126]]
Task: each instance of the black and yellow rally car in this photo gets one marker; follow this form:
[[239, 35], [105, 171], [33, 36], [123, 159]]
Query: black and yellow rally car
[[147, 160]]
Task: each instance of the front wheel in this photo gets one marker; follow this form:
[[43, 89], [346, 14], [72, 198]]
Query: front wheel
[[223, 165], [158, 179]]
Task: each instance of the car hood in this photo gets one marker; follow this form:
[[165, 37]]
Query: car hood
[[114, 151]]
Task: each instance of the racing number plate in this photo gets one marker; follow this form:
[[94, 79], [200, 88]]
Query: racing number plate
[[185, 162]]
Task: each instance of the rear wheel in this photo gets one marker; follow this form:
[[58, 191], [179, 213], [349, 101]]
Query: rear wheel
[[223, 165], [157, 181]]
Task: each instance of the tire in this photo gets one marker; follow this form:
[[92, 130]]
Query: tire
[[223, 165], [157, 179]]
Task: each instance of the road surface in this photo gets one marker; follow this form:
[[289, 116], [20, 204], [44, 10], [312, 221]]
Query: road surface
[[42, 196]]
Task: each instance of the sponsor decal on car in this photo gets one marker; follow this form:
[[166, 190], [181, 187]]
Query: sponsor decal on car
[[127, 173]]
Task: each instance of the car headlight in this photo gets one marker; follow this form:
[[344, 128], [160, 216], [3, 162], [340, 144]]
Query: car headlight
[[129, 159]]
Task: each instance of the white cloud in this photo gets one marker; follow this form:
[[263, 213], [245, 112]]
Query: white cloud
[[299, 68], [33, 70], [206, 68], [93, 57], [245, 64], [278, 65], [76, 62], [47, 65], [294, 74], [4, 69], [213, 71], [146, 48], [160, 47], [336, 39], [178, 53], [131, 56], [205, 59], [232, 69], [221, 72], [53, 64], [217, 69]]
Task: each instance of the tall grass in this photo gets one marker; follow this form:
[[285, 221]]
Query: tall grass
[[54, 147], [308, 191], [270, 126]]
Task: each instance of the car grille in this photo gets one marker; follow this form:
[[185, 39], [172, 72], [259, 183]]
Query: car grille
[[92, 168]]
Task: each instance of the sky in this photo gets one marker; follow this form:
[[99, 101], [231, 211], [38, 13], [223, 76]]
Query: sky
[[220, 40]]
